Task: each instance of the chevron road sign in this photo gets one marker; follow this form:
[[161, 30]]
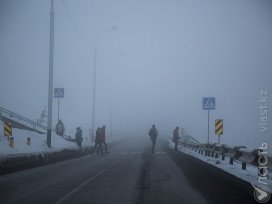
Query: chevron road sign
[[7, 129], [219, 127]]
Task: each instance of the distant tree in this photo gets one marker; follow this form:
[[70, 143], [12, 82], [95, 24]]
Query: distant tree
[[43, 117]]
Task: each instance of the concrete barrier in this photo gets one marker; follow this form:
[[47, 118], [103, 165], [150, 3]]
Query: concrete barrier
[[28, 141], [11, 141]]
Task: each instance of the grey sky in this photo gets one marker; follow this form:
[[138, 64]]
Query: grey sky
[[163, 58]]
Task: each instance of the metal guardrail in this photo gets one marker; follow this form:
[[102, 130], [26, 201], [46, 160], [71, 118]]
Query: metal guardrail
[[23, 120], [29, 123], [239, 153]]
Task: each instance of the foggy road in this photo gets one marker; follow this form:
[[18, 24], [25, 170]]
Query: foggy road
[[128, 174]]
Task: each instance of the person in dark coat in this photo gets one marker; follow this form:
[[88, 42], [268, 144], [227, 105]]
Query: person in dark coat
[[103, 138], [79, 137], [97, 146], [153, 133], [176, 137]]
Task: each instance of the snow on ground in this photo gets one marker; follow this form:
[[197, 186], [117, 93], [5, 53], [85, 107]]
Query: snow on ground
[[38, 142], [250, 174]]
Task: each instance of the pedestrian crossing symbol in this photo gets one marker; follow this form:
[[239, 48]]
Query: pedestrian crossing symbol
[[59, 92], [208, 103]]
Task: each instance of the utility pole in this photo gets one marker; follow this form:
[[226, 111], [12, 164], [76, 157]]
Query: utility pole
[[94, 88], [94, 73], [110, 106], [50, 84]]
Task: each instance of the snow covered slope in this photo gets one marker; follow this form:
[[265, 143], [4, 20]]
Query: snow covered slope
[[38, 142]]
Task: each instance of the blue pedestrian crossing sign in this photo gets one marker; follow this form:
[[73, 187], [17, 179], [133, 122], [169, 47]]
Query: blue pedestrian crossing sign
[[59, 92], [208, 103]]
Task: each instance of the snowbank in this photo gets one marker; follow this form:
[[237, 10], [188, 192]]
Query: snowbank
[[38, 143]]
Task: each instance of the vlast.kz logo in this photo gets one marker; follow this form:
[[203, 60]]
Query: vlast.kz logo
[[262, 194]]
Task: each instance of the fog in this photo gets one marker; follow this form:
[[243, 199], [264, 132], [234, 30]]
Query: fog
[[153, 69]]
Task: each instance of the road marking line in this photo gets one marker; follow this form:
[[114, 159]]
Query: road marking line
[[141, 153], [80, 186]]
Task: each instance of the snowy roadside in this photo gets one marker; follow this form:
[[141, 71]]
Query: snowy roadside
[[250, 174], [38, 143]]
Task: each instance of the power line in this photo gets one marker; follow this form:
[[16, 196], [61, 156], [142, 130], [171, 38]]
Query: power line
[[75, 26]]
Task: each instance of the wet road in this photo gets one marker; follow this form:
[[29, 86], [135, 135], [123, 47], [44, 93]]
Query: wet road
[[128, 174]]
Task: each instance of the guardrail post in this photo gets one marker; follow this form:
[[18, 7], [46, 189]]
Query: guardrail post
[[243, 166], [231, 161], [28, 141], [11, 141]]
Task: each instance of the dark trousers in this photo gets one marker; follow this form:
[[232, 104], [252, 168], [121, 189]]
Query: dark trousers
[[98, 147], [153, 144], [105, 144], [176, 145], [95, 146]]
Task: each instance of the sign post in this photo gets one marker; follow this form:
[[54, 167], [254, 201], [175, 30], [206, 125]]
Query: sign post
[[219, 128], [59, 93], [208, 103]]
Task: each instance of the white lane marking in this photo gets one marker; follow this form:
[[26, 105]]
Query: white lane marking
[[141, 153], [132, 153], [65, 197]]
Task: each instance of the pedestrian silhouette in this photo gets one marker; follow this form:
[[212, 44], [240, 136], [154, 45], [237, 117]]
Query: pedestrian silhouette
[[153, 133], [176, 137]]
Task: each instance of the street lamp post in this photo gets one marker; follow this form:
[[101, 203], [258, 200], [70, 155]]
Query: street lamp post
[[50, 85], [94, 73]]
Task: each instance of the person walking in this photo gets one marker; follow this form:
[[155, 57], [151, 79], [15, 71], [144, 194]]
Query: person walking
[[78, 137], [176, 137], [153, 133], [103, 138], [60, 129], [97, 145]]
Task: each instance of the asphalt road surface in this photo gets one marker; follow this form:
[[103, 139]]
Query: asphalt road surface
[[130, 173]]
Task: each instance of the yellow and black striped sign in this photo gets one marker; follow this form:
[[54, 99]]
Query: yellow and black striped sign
[[7, 129], [219, 127]]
